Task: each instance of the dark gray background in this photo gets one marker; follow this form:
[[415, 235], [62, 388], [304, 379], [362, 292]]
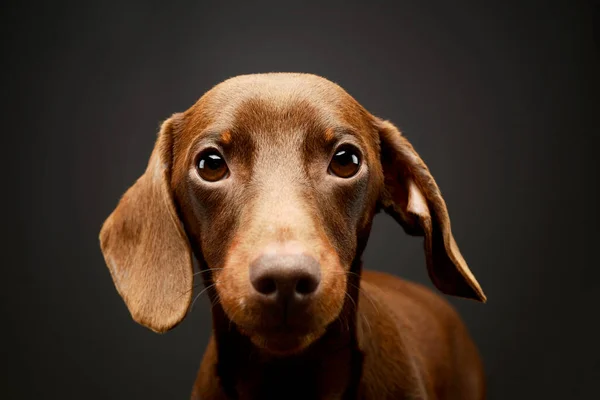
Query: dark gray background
[[500, 99]]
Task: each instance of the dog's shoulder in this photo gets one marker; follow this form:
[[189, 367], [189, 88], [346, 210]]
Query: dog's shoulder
[[402, 295], [419, 314], [429, 328]]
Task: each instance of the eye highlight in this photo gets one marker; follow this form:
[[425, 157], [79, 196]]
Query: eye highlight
[[211, 166], [345, 162]]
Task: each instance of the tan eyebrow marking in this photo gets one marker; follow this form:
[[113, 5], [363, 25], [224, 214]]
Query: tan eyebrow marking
[[329, 134], [226, 137]]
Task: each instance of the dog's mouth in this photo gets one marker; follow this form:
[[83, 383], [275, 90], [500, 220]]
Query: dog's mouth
[[282, 338], [285, 340]]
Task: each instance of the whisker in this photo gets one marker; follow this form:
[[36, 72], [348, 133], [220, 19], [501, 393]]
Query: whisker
[[364, 317], [189, 290], [233, 316], [352, 300], [207, 270], [368, 296], [199, 294], [345, 273], [215, 301]]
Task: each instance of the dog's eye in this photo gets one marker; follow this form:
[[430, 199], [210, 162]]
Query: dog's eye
[[212, 166], [345, 162]]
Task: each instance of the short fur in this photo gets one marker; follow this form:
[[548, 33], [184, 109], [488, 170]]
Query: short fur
[[364, 334]]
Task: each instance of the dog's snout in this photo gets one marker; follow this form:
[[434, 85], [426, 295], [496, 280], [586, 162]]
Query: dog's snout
[[285, 278]]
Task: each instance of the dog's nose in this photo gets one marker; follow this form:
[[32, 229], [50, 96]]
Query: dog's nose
[[286, 277]]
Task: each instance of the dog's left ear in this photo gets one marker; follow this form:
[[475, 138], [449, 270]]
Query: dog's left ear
[[413, 198], [145, 247]]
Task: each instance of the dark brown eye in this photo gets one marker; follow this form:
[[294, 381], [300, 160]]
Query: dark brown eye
[[345, 162], [212, 166]]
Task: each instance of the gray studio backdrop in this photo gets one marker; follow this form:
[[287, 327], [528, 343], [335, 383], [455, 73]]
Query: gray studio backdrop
[[499, 98]]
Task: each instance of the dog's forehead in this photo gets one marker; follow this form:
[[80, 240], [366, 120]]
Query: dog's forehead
[[276, 102], [282, 91]]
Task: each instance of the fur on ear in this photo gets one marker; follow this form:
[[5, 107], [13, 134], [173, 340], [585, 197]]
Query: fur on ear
[[413, 198], [145, 247]]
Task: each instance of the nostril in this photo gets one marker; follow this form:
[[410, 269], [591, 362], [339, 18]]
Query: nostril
[[265, 286], [285, 277], [306, 285]]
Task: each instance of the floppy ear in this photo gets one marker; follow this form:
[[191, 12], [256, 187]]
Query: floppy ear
[[145, 247], [413, 198]]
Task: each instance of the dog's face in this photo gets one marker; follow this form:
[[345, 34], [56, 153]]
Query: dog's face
[[273, 181], [277, 177]]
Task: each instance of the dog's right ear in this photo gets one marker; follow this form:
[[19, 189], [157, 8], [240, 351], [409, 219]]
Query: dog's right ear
[[145, 247]]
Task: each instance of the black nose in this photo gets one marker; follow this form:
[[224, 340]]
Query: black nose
[[286, 277]]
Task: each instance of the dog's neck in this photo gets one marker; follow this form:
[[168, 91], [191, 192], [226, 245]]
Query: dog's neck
[[332, 363], [244, 368]]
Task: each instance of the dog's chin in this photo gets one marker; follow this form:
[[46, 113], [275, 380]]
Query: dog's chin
[[284, 343]]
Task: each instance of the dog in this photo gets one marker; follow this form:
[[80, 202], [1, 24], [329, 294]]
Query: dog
[[271, 182]]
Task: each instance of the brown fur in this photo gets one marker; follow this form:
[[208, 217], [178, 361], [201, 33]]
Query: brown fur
[[363, 334]]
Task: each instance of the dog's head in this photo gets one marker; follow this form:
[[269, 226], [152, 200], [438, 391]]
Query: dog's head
[[272, 180]]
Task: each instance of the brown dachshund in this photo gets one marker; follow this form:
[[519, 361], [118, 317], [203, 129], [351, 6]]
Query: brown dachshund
[[271, 182]]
